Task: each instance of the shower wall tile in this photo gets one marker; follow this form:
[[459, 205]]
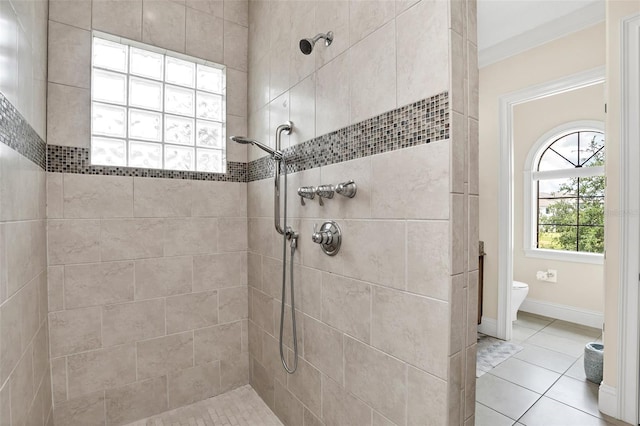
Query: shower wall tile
[[103, 368], [306, 385], [75, 330], [218, 342], [163, 24], [366, 16], [425, 240], [422, 170], [70, 12], [191, 311], [333, 101], [287, 406], [69, 51], [162, 277], [68, 114], [235, 46], [162, 355], [234, 372], [122, 239], [161, 197], [123, 18], [373, 70], [136, 400], [98, 284], [421, 46], [131, 322], [193, 384], [426, 403], [204, 36], [340, 407], [85, 410], [346, 305], [73, 241]]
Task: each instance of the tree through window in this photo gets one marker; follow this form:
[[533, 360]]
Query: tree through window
[[569, 176]]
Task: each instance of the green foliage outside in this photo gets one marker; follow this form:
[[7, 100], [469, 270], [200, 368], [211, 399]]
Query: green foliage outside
[[568, 220]]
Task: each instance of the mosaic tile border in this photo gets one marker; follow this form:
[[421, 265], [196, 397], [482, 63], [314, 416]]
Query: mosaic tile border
[[69, 159], [421, 122], [17, 133]]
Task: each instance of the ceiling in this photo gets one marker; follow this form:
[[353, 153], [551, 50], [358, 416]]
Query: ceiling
[[507, 27]]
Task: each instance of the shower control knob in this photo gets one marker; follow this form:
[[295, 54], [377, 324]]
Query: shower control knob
[[324, 191], [347, 189], [329, 237], [308, 192]]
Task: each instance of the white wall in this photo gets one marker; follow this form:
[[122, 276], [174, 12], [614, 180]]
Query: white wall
[[579, 285], [577, 52]]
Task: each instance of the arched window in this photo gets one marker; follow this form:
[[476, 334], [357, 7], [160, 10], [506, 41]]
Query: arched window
[[566, 186]]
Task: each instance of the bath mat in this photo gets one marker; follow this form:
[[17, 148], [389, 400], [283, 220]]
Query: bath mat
[[492, 352]]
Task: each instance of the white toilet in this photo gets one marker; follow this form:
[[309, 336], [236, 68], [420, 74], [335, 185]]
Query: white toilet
[[518, 294]]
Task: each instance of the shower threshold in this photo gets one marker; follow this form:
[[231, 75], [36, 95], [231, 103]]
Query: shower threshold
[[239, 407]]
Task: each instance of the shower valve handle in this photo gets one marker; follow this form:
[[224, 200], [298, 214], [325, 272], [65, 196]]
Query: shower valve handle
[[308, 192], [324, 191], [329, 237]]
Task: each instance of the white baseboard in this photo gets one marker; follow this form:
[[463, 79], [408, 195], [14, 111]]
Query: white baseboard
[[608, 400], [488, 326], [563, 312]]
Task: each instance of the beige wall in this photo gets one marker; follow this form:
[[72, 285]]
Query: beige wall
[[147, 285], [616, 11], [577, 52], [579, 285], [386, 327], [25, 386]]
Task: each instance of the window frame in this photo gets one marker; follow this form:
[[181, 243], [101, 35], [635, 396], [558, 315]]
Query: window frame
[[530, 223], [162, 112]]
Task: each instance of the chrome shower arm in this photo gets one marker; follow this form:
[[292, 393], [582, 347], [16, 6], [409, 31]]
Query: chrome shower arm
[[286, 127]]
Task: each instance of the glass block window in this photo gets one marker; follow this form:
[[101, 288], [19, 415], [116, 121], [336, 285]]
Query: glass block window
[[155, 109]]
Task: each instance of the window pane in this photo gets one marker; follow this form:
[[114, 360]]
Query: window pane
[[592, 186], [145, 93], [144, 154], [178, 157], [557, 211], [107, 54], [557, 237], [108, 120], [145, 125], [209, 160], [567, 147], [147, 64], [591, 239], [209, 134], [592, 211], [209, 79], [552, 161], [591, 143], [178, 130], [209, 106], [178, 100], [180, 72], [108, 152], [109, 87], [558, 187]]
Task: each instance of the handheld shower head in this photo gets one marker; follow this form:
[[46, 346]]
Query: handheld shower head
[[306, 44], [246, 141]]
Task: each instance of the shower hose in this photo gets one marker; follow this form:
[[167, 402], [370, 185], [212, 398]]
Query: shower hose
[[288, 234]]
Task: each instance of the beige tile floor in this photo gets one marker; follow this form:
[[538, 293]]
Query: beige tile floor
[[544, 384], [239, 407]]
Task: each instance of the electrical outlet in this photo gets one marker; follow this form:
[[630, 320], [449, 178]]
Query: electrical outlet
[[550, 275]]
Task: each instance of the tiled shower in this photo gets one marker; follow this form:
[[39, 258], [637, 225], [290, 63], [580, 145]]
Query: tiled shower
[[128, 292]]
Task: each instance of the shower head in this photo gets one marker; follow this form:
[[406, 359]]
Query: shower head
[[246, 141], [306, 44]]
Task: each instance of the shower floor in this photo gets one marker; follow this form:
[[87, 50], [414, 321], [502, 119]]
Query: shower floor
[[239, 407]]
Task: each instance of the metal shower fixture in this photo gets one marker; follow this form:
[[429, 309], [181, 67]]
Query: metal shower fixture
[[306, 44]]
